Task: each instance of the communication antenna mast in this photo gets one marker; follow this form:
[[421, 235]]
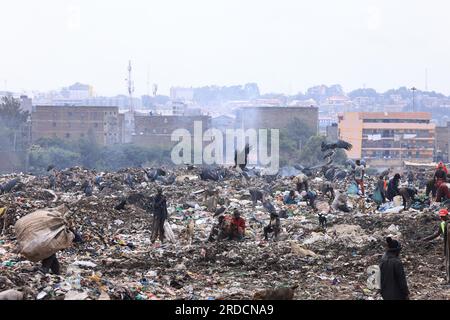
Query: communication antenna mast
[[148, 81], [130, 86]]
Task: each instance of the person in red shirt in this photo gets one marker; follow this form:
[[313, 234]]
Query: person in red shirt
[[237, 231], [443, 193]]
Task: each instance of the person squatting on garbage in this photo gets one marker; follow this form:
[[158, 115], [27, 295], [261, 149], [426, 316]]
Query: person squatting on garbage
[[301, 182], [237, 228], [443, 193], [256, 195], [273, 227], [309, 197], [359, 176], [442, 230], [290, 198], [218, 230], [159, 216], [52, 263], [393, 187], [340, 202], [392, 274]]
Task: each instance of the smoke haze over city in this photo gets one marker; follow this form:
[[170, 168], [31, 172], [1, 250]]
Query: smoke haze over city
[[284, 46]]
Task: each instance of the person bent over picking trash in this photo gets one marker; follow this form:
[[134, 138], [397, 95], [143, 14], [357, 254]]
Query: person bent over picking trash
[[52, 263], [159, 216], [392, 275], [237, 228], [442, 229]]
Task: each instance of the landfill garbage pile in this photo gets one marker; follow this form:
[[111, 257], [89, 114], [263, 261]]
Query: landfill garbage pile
[[117, 260]]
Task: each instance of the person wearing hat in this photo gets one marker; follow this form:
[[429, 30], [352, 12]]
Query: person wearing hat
[[159, 215], [443, 230], [392, 274], [274, 226]]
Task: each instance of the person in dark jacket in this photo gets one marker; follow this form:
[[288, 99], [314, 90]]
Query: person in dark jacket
[[392, 275], [159, 216], [392, 189]]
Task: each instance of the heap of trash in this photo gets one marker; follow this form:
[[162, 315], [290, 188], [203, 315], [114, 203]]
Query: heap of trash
[[117, 260]]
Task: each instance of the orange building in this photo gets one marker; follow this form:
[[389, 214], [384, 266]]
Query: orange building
[[388, 136]]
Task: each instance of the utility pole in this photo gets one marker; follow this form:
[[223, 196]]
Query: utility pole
[[130, 86], [413, 102]]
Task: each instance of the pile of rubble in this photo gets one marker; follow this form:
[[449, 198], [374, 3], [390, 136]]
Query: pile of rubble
[[116, 259]]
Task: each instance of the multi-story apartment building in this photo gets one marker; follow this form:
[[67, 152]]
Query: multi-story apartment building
[[156, 130], [73, 123], [388, 136], [443, 143]]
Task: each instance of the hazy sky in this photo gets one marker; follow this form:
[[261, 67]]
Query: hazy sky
[[283, 45]]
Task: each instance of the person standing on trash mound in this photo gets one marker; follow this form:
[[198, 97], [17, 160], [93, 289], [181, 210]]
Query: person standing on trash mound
[[392, 274], [443, 230], [52, 263], [359, 176], [159, 216]]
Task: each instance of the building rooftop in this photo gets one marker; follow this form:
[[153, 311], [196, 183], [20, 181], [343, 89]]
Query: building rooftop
[[396, 115]]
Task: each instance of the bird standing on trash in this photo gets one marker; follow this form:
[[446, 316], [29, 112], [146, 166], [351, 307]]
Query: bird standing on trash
[[322, 220], [159, 215], [273, 227]]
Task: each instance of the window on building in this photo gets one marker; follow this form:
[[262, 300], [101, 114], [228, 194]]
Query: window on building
[[96, 125], [54, 124], [165, 120], [82, 135], [70, 114], [67, 135]]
